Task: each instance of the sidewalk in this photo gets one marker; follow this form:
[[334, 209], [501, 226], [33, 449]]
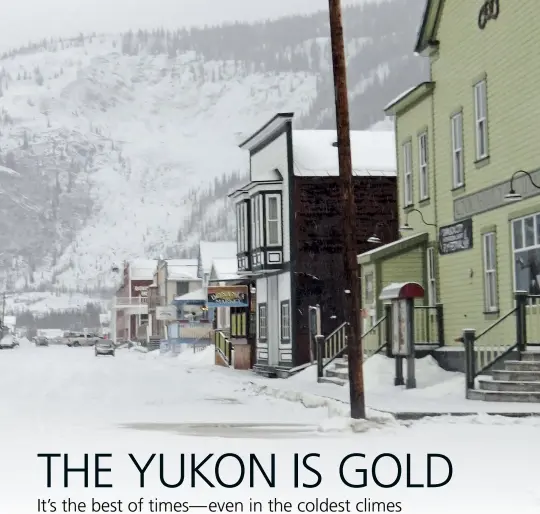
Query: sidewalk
[[438, 393]]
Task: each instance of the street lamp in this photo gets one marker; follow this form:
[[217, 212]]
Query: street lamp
[[512, 196], [407, 228]]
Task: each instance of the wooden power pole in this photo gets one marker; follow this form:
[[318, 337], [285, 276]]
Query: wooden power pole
[[352, 297]]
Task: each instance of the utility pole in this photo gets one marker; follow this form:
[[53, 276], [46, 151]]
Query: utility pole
[[352, 298]]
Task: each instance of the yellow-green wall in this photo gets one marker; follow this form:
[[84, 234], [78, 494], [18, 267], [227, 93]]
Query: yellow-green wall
[[506, 55]]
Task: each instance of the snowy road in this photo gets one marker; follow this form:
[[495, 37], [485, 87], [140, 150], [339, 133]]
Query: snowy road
[[68, 401], [71, 386]]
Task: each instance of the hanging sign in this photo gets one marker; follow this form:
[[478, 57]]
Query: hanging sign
[[456, 237], [227, 296]]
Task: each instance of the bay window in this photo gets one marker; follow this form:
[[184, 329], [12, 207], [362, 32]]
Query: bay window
[[242, 227], [273, 220]]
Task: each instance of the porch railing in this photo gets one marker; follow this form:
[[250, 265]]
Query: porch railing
[[223, 346], [334, 345], [495, 345], [429, 329], [531, 326], [429, 324]]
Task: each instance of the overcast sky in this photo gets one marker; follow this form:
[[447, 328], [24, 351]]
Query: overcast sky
[[25, 20]]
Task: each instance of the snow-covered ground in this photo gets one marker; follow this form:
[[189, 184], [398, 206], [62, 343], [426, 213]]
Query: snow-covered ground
[[65, 400]]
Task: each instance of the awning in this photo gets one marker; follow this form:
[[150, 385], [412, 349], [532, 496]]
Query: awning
[[393, 248]]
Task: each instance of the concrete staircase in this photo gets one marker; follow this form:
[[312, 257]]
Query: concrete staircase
[[337, 372], [517, 381]]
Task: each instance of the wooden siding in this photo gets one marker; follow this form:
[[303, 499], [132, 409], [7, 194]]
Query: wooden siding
[[318, 244]]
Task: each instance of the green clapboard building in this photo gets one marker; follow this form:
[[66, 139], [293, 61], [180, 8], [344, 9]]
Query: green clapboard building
[[465, 140]]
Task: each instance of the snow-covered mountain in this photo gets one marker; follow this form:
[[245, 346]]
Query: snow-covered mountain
[[119, 147]]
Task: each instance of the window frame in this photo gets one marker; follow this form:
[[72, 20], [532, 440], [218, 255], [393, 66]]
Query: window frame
[[179, 282], [278, 220], [260, 221], [423, 169], [260, 308], [489, 270], [369, 278], [458, 176], [524, 247], [431, 276], [254, 201], [407, 174], [481, 119], [285, 336]]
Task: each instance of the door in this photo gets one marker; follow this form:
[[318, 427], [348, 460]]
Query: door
[[273, 320]]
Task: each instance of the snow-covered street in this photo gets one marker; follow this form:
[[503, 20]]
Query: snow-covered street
[[65, 400]]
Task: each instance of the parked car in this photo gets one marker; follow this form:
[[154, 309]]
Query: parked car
[[78, 339], [41, 341], [105, 347], [8, 342]]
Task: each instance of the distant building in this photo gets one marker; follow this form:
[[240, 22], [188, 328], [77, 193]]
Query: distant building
[[131, 299]]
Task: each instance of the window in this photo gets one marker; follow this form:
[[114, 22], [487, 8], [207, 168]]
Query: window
[[242, 227], [423, 166], [431, 277], [285, 323], [480, 112], [260, 222], [526, 249], [457, 150], [182, 288], [262, 321], [407, 174], [273, 220], [368, 287], [490, 272], [257, 232]]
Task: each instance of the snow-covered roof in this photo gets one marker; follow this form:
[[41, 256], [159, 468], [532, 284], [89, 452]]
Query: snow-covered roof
[[399, 97], [389, 246], [142, 269], [225, 269], [215, 250], [181, 262], [373, 153], [182, 272], [199, 294]]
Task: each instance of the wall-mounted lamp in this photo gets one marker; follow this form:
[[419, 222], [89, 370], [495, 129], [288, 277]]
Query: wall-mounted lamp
[[406, 227], [512, 196], [375, 239]]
